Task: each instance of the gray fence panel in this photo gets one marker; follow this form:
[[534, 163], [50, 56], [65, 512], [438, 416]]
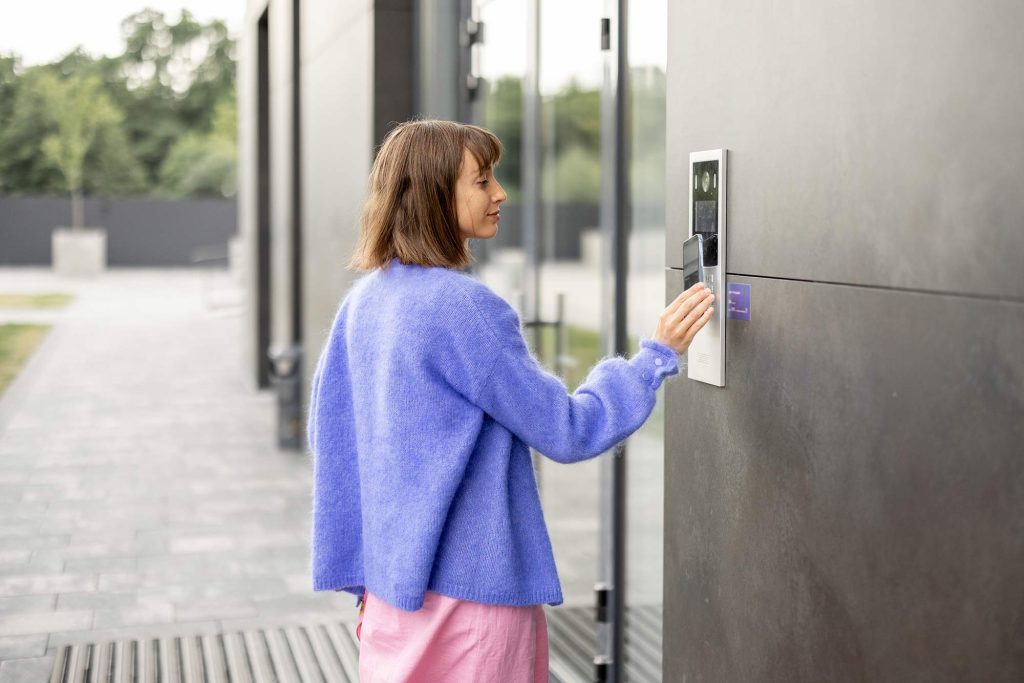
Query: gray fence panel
[[140, 231]]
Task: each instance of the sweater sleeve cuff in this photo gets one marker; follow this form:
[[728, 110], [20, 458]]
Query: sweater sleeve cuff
[[655, 361]]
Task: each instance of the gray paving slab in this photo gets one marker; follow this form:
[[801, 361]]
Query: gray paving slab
[[19, 647], [34, 670], [141, 491]]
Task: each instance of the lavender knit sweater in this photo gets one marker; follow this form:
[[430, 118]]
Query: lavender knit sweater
[[425, 401]]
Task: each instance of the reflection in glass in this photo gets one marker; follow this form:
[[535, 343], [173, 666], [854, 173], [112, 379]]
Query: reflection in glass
[[501, 64], [570, 80]]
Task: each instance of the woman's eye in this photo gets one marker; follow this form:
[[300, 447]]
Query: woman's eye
[[485, 182]]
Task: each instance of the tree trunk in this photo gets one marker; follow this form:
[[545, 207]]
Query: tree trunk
[[77, 210]]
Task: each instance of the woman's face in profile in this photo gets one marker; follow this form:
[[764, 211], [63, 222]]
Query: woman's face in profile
[[477, 197]]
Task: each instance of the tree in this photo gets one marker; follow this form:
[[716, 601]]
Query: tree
[[9, 65], [204, 163], [173, 75], [81, 110], [168, 86], [22, 167]]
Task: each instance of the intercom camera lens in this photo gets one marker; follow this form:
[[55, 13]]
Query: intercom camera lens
[[705, 181]]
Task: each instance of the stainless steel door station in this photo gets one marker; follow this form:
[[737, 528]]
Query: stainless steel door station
[[707, 219]]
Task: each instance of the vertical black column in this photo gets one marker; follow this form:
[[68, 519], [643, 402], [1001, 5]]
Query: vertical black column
[[531, 162], [615, 226], [263, 200], [394, 65], [297, 335], [620, 251]]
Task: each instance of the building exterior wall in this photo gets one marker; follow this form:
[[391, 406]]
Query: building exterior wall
[[248, 191], [336, 74], [849, 506], [338, 148]]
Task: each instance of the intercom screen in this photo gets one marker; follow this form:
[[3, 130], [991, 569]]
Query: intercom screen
[[705, 217]]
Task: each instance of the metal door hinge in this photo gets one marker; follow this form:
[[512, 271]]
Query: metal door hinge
[[601, 593], [472, 85], [474, 32]]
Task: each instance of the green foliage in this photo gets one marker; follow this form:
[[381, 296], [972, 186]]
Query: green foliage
[[204, 164], [160, 96], [572, 141], [8, 88], [80, 109], [23, 168], [573, 119], [646, 112], [503, 115], [574, 175], [42, 300], [571, 137], [174, 76], [17, 342]]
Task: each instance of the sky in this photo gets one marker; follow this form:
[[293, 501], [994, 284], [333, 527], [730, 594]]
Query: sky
[[569, 39], [42, 31]]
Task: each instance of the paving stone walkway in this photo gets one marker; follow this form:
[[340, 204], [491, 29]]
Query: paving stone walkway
[[141, 493]]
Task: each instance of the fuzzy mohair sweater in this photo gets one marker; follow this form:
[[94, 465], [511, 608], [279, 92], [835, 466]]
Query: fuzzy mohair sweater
[[425, 403]]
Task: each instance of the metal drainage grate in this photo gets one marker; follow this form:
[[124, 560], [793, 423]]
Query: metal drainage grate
[[573, 642], [291, 654], [327, 653]]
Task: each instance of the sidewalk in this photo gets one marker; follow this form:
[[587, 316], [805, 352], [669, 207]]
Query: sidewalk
[[140, 490]]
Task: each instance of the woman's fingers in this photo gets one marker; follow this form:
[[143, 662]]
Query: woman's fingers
[[691, 303], [684, 297], [697, 325], [684, 317], [697, 309]]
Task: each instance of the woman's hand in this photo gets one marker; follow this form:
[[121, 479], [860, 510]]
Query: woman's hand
[[684, 317]]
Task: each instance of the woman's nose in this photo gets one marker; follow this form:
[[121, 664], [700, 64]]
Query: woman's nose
[[500, 195]]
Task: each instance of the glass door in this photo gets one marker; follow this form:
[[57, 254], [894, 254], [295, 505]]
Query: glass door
[[571, 273], [539, 78], [536, 70], [645, 129]]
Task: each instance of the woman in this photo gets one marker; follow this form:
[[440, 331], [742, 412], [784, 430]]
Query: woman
[[425, 403]]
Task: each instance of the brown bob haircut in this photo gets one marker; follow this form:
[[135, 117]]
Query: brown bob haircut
[[410, 212]]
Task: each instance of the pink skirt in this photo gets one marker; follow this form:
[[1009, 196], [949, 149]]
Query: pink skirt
[[456, 641]]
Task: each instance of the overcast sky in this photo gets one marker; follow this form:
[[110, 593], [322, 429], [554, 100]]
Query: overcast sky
[[44, 30]]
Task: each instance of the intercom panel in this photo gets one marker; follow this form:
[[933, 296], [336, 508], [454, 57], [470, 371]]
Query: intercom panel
[[707, 218]]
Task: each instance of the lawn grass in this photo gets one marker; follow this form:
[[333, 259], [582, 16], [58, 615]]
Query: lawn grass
[[16, 344], [44, 300]]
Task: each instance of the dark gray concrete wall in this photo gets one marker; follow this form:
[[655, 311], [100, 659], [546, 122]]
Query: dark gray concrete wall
[[140, 232], [875, 143], [851, 505]]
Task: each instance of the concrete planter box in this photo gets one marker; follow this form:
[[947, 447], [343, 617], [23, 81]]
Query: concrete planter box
[[79, 253]]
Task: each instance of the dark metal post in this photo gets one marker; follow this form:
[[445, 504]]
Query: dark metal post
[[531, 161], [620, 254]]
